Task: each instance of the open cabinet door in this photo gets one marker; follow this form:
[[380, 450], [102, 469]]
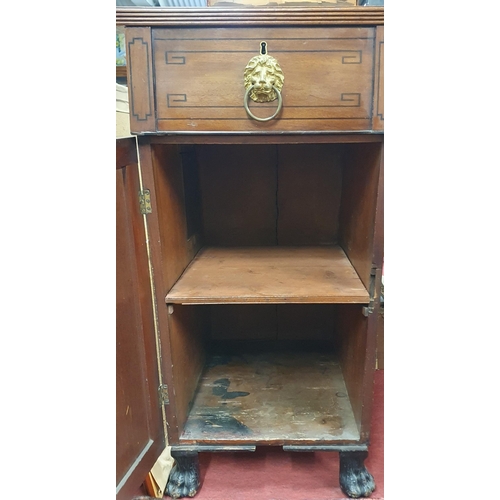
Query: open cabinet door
[[140, 436]]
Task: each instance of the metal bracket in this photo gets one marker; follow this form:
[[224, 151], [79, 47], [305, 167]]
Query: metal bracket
[[367, 310], [163, 394], [145, 202], [370, 308]]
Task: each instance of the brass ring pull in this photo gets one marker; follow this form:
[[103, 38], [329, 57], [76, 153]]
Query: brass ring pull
[[247, 109]]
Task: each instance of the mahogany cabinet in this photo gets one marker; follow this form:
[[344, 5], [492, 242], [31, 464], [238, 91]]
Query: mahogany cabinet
[[260, 137]]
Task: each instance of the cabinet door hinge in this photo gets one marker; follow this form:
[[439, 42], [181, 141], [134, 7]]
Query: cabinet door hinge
[[163, 394], [145, 201]]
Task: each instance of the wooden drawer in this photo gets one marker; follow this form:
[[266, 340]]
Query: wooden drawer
[[191, 79]]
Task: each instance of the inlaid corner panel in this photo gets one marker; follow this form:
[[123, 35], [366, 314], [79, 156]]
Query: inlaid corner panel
[[140, 79]]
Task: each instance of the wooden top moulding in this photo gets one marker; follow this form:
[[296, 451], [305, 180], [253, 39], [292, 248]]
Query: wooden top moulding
[[284, 16]]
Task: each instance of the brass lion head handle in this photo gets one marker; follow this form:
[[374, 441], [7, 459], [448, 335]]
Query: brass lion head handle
[[263, 81]]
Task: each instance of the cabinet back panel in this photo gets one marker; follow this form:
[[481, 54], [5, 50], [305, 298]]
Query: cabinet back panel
[[238, 191], [270, 194], [308, 194], [191, 191], [306, 322], [279, 322]]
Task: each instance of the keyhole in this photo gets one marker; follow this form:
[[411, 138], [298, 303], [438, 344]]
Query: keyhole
[[263, 48]]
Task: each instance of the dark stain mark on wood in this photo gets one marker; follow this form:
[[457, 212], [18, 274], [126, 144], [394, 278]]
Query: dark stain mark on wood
[[288, 396], [220, 389], [216, 422]]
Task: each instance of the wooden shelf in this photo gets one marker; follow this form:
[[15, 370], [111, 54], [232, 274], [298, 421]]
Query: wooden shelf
[[272, 398], [272, 275]]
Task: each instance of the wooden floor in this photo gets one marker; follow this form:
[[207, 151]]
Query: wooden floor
[[270, 275], [272, 398]]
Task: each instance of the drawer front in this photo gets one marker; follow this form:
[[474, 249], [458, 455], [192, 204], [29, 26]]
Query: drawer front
[[198, 78], [328, 81]]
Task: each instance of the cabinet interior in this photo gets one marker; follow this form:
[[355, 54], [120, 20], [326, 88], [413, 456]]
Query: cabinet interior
[[268, 253]]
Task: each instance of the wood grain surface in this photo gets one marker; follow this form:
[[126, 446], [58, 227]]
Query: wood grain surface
[[178, 248], [308, 192], [238, 194], [378, 100], [272, 322], [140, 79], [270, 194], [300, 137], [360, 191], [187, 329], [269, 16], [139, 429], [272, 398], [328, 78], [269, 275]]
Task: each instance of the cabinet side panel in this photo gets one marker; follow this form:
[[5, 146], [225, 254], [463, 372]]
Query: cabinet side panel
[[360, 183], [357, 351], [140, 79], [351, 330], [188, 328], [177, 248]]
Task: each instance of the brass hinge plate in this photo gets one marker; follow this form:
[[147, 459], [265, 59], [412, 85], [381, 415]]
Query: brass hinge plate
[[163, 394], [145, 202]]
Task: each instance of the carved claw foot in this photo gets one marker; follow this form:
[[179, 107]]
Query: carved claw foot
[[184, 479], [355, 480]]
